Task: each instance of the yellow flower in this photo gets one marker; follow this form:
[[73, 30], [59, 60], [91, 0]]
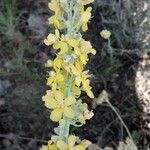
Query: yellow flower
[[84, 2], [63, 46], [44, 147], [52, 38], [54, 20], [76, 90], [105, 34], [54, 6], [57, 64], [86, 47], [81, 113], [73, 42], [60, 105], [82, 77], [70, 145], [50, 146], [49, 63], [54, 79], [85, 17], [88, 114]]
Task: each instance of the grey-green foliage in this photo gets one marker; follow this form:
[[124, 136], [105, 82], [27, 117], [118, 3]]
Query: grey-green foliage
[[8, 18], [19, 61], [117, 17]]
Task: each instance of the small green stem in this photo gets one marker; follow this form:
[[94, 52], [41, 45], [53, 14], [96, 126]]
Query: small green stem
[[121, 120], [110, 51], [65, 126]]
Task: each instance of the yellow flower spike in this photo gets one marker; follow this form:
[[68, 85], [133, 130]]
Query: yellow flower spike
[[68, 77], [105, 34]]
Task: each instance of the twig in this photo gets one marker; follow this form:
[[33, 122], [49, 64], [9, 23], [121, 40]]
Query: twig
[[121, 120], [12, 136]]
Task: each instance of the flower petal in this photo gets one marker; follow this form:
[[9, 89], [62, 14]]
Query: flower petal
[[59, 96], [78, 81], [56, 115], [59, 77], [68, 112], [57, 63], [71, 141], [51, 103], [79, 147], [86, 143], [69, 101], [62, 145], [47, 42], [73, 42], [76, 90]]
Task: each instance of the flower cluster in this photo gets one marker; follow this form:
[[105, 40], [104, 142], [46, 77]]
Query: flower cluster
[[105, 34], [67, 77], [69, 145]]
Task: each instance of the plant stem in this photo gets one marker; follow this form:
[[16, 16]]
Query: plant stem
[[68, 85], [121, 120]]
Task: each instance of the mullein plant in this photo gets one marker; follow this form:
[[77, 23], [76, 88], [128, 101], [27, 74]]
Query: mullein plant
[[67, 77]]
